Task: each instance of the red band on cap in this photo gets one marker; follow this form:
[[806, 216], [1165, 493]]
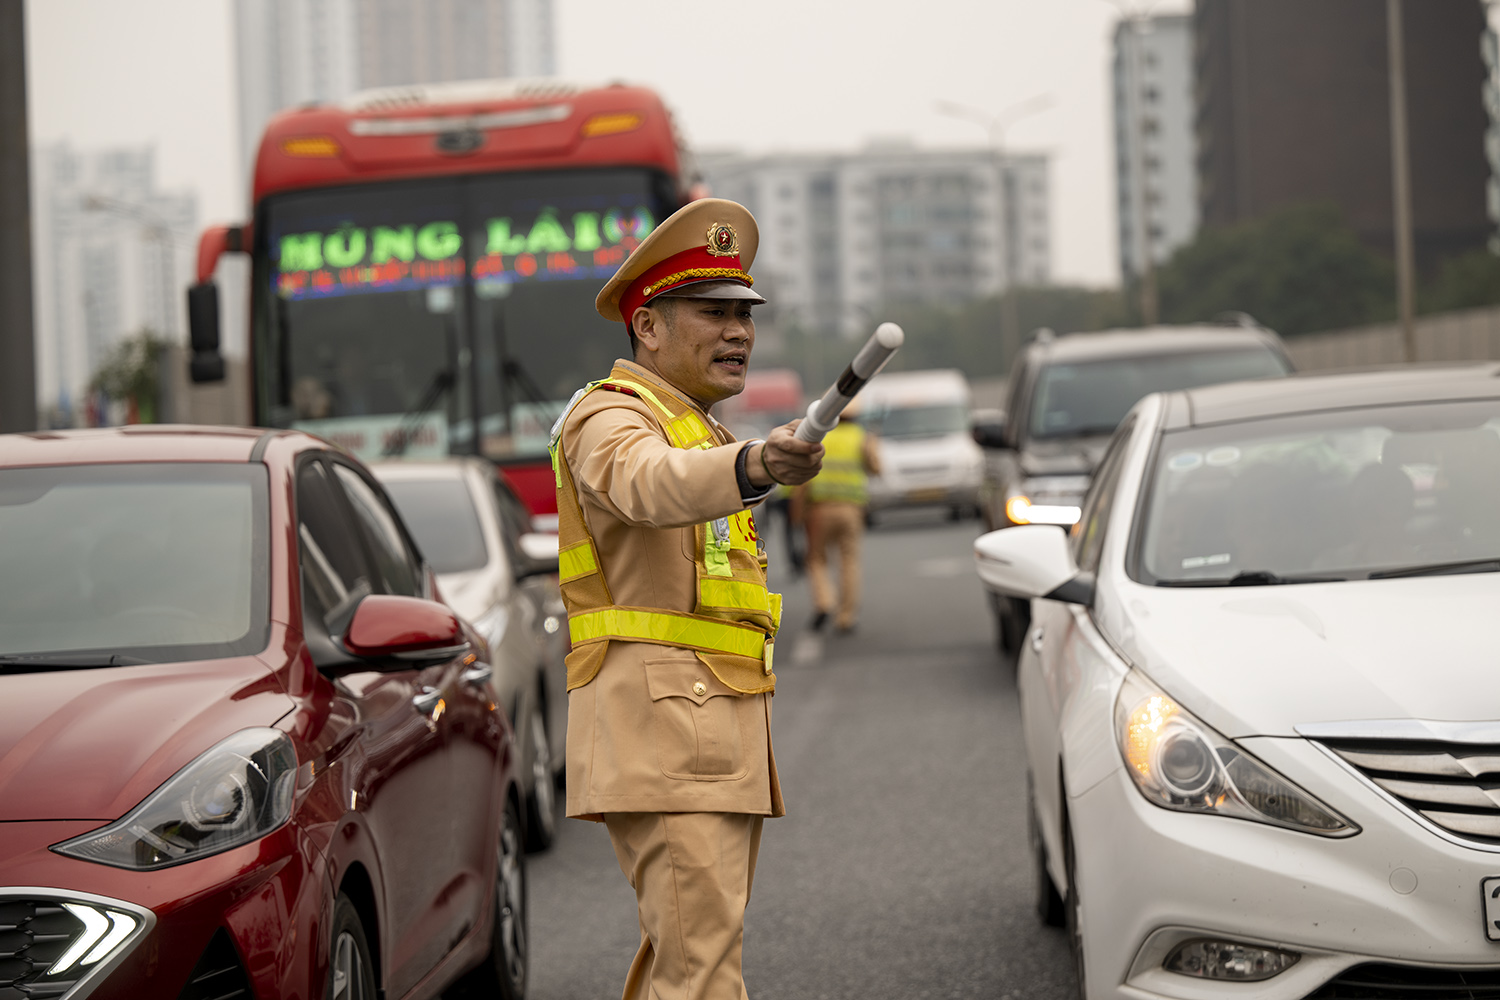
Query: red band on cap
[[693, 264]]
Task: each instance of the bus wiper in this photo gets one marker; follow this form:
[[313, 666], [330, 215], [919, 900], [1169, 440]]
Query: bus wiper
[[22, 662], [517, 374], [1251, 578], [1491, 565], [440, 386]]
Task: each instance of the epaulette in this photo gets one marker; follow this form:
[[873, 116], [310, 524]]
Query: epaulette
[[612, 387]]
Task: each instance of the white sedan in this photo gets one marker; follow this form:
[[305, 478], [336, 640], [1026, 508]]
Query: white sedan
[[1261, 693]]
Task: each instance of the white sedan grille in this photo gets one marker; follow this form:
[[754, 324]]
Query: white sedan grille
[[1453, 786]]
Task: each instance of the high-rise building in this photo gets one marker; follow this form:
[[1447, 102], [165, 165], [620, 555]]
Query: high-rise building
[[291, 52], [1155, 151], [1294, 108], [295, 51], [843, 234], [112, 254]]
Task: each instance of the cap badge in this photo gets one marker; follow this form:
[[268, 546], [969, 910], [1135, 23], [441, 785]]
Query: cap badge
[[723, 241]]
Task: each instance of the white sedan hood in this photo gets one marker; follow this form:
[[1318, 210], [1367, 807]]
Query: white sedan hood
[[1258, 661]]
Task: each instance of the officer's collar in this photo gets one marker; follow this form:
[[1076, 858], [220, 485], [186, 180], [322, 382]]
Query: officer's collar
[[640, 371]]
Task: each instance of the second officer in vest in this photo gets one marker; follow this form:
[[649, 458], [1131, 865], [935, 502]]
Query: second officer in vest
[[833, 509], [671, 672]]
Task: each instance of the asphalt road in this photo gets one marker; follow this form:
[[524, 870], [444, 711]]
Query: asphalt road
[[902, 869]]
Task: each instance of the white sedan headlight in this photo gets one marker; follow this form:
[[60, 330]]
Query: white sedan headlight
[[235, 792], [1179, 763]]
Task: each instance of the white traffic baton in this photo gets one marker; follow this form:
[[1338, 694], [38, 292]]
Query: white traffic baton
[[823, 414]]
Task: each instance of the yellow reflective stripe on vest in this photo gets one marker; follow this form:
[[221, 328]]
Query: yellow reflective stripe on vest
[[668, 629], [737, 594], [687, 431], [684, 431], [576, 560], [646, 394]]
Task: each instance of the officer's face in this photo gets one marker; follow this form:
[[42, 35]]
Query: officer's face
[[701, 346]]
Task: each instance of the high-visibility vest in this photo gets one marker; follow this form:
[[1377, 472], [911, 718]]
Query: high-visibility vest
[[843, 478], [734, 621]]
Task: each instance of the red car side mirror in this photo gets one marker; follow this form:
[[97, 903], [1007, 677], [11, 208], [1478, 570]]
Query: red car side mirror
[[387, 627]]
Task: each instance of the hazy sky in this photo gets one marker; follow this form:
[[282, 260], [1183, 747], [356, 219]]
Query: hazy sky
[[764, 75]]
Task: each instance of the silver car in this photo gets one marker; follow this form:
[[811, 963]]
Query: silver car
[[501, 575]]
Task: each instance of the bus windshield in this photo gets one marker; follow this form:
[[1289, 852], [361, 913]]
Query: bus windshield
[[394, 318]]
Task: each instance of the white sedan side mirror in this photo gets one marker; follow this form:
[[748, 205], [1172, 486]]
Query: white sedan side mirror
[[1032, 560]]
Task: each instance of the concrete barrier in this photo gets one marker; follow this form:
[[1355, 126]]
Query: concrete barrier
[[225, 403], [1466, 335]]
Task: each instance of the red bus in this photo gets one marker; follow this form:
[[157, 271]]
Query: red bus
[[425, 261]]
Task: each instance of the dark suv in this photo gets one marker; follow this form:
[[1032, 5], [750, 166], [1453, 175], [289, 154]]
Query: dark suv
[[1064, 399]]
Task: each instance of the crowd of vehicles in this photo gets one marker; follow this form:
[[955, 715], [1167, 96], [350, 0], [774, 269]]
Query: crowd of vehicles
[[1285, 791], [278, 722]]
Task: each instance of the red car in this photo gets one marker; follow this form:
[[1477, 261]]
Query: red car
[[245, 749]]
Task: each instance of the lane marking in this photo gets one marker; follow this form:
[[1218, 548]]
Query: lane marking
[[951, 566]]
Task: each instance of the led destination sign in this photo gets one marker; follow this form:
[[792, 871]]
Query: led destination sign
[[354, 259]]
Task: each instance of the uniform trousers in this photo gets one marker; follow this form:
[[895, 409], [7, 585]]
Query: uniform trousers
[[838, 526], [691, 873]]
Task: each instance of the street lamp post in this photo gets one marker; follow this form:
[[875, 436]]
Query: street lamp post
[[1401, 178], [17, 340], [995, 126]]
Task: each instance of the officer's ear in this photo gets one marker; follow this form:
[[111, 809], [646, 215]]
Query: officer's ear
[[648, 326]]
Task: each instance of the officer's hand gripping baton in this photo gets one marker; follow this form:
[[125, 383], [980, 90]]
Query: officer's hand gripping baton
[[823, 415]]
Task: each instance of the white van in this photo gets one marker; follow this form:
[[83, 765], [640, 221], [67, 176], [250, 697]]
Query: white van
[[927, 452]]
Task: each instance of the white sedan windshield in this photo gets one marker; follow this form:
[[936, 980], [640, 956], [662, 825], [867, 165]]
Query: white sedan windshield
[[1393, 491]]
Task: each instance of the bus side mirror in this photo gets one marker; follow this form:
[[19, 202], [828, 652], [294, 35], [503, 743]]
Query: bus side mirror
[[207, 363]]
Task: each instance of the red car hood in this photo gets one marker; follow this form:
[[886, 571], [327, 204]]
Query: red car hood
[[90, 744]]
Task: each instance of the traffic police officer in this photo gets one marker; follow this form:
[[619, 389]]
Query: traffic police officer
[[833, 507], [670, 675]]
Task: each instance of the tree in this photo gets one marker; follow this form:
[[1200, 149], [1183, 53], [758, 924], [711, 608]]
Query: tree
[[1467, 281], [132, 374], [1298, 270], [965, 335]]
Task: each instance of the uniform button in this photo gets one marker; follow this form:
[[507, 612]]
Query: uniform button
[[700, 688]]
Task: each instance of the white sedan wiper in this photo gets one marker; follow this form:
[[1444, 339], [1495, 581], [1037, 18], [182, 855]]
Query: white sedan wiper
[[1251, 578], [1491, 565]]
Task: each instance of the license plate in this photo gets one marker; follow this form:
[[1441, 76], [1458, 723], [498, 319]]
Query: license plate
[[1491, 889], [932, 493]]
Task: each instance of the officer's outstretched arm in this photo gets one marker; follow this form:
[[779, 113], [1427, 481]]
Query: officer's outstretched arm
[[623, 462]]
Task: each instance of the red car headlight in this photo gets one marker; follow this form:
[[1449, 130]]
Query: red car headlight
[[237, 791]]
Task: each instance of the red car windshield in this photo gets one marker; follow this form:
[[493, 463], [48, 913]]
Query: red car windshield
[[105, 565]]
